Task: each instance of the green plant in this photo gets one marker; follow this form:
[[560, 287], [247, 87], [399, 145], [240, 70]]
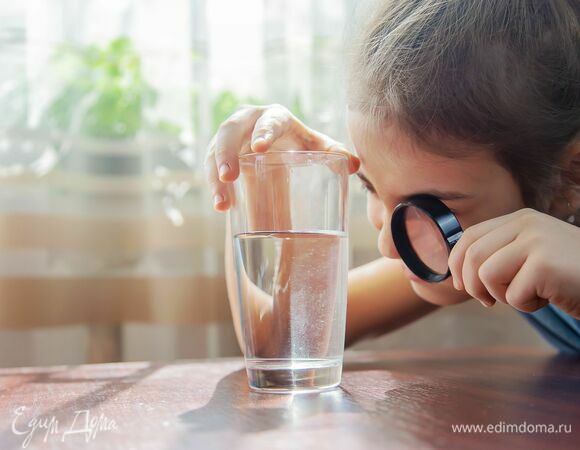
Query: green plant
[[226, 102], [104, 93]]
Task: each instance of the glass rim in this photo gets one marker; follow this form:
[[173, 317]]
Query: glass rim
[[268, 157]]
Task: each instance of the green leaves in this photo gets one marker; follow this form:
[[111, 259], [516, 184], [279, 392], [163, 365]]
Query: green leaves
[[226, 103], [103, 94]]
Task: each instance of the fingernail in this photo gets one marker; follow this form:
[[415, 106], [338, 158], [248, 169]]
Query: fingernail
[[486, 303], [456, 284], [256, 142], [262, 139], [224, 169], [266, 136], [218, 198]]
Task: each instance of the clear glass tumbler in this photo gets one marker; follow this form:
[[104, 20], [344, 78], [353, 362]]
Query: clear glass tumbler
[[289, 225]]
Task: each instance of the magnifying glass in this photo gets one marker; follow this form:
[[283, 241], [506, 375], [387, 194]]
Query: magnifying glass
[[424, 231]]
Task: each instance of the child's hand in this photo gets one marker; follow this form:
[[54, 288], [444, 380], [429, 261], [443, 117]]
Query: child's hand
[[256, 129], [525, 259]]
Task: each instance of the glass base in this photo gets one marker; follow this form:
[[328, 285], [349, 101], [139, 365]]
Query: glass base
[[292, 376]]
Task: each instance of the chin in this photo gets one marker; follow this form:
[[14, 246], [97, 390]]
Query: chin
[[441, 294]]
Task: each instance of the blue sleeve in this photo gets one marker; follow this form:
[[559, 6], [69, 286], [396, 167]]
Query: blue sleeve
[[557, 327]]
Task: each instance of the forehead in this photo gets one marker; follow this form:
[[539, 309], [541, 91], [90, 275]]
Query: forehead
[[396, 163]]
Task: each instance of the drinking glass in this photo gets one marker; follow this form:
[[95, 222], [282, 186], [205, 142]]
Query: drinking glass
[[289, 227]]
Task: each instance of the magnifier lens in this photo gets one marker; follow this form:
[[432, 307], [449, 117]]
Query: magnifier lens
[[427, 240]]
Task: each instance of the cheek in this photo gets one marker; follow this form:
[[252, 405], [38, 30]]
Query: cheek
[[375, 211]]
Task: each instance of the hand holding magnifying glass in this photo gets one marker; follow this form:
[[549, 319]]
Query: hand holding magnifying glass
[[425, 231]]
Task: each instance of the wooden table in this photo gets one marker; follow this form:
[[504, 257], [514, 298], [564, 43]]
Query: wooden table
[[386, 400]]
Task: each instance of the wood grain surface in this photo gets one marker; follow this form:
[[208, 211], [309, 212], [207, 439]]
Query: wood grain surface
[[386, 400]]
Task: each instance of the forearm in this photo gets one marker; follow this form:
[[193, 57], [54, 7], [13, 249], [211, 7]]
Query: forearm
[[232, 286], [266, 318], [380, 300]]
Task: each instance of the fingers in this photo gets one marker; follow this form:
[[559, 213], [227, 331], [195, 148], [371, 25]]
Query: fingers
[[476, 255], [331, 145], [221, 162], [499, 269], [217, 188], [475, 233], [271, 125], [491, 263], [230, 139], [277, 122], [257, 128], [522, 294]]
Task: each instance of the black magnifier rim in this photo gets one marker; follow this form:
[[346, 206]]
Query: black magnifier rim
[[446, 222]]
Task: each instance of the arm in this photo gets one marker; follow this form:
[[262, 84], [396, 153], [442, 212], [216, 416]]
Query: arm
[[231, 286], [380, 298]]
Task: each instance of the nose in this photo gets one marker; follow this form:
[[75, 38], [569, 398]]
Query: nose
[[386, 244]]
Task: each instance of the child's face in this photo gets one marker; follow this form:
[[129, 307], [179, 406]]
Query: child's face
[[475, 188]]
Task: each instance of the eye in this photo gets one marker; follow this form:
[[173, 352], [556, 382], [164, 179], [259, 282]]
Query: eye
[[367, 188], [453, 210]]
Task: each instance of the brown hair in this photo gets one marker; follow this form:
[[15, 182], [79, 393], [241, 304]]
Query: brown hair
[[504, 74]]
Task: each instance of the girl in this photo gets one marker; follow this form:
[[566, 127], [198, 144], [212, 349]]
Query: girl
[[477, 103]]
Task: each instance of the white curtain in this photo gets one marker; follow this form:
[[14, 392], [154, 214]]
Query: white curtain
[[107, 235]]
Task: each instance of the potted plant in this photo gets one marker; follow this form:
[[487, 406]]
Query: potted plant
[[100, 115]]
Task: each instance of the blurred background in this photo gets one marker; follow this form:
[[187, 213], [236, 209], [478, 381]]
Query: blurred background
[[109, 247]]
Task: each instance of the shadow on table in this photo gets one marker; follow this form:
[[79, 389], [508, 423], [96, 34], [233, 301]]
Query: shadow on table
[[234, 407]]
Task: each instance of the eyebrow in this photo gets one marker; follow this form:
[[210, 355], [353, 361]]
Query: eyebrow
[[443, 195]]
